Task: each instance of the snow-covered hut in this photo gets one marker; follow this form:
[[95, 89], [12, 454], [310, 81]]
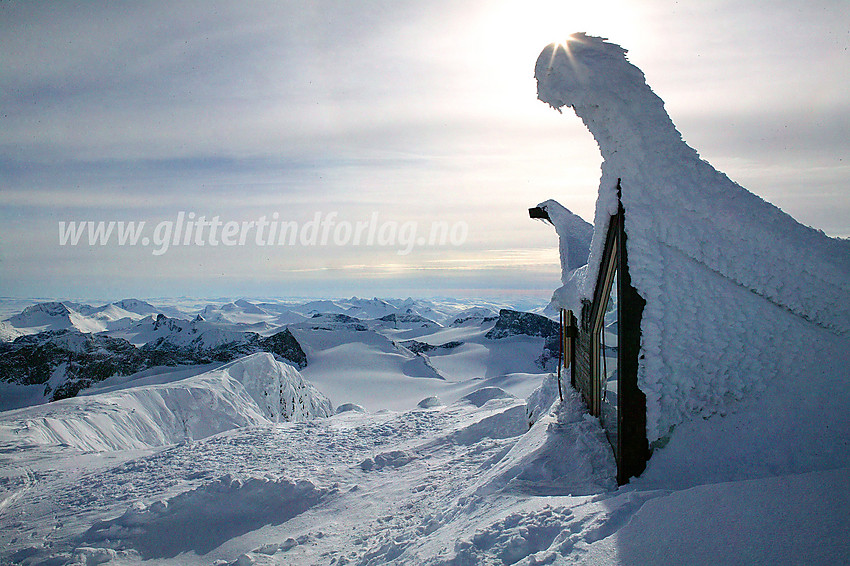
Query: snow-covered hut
[[696, 292]]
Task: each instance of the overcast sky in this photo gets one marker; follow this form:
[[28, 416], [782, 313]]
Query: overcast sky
[[402, 111]]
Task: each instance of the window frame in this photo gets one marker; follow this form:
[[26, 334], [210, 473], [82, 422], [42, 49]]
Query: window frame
[[610, 266], [632, 450]]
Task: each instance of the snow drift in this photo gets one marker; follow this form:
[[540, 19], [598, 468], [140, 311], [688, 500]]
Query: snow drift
[[202, 519], [254, 390]]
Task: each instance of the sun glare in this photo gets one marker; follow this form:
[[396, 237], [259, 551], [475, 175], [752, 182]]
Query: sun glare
[[531, 25]]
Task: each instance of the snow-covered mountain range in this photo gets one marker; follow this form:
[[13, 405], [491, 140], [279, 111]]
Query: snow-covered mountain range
[[55, 350], [262, 316]]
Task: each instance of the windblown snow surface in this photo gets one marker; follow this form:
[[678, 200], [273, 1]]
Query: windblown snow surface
[[195, 472], [176, 468]]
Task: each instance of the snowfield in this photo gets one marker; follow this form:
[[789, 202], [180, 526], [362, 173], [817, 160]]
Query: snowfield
[[197, 471]]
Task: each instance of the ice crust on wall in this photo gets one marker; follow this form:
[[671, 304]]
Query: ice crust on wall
[[255, 390], [737, 291]]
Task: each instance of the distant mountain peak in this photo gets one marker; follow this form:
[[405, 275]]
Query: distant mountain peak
[[51, 308], [137, 306]]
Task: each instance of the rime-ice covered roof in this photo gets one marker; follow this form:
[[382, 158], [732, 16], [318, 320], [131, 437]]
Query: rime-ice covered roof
[[734, 286]]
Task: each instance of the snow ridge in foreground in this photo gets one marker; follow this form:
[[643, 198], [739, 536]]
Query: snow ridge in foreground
[[278, 388], [255, 390]]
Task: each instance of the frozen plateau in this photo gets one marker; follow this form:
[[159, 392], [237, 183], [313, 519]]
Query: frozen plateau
[[412, 431]]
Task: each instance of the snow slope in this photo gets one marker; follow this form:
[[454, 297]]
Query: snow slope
[[111, 315], [195, 334], [369, 364], [465, 483], [253, 390], [8, 333], [278, 388], [42, 368], [240, 315], [192, 469], [56, 315], [137, 306]]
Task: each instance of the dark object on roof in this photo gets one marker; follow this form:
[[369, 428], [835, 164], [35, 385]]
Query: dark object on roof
[[538, 212]]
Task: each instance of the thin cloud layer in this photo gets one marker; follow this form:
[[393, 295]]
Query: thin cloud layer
[[416, 111]]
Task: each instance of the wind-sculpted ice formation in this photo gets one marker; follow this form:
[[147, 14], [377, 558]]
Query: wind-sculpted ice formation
[[574, 236], [736, 290]]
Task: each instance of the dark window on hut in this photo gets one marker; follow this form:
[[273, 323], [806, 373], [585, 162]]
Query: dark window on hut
[[605, 352], [611, 329], [604, 339]]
